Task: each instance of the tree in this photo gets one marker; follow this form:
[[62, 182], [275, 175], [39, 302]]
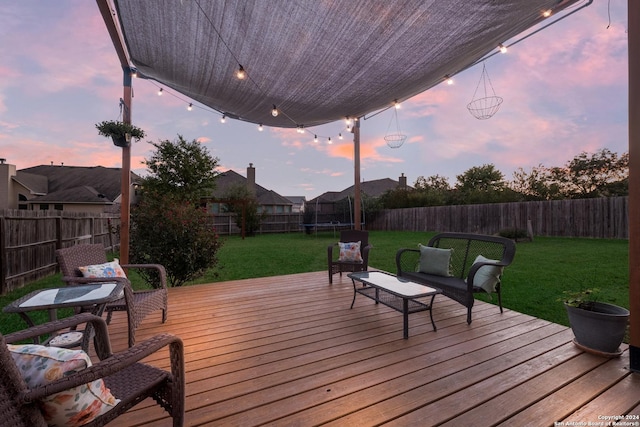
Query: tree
[[482, 184], [244, 204], [602, 174], [169, 226], [181, 168]]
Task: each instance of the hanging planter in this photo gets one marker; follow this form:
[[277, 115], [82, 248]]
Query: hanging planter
[[395, 140], [120, 133], [484, 105]]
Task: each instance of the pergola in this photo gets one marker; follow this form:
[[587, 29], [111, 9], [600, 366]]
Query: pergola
[[302, 63]]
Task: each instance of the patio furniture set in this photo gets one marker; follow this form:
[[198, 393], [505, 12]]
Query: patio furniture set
[[456, 265]]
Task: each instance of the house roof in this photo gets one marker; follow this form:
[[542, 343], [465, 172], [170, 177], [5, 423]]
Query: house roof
[[374, 188], [73, 184], [230, 178], [316, 61]]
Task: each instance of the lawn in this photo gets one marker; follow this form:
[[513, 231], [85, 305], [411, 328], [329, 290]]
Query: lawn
[[542, 270]]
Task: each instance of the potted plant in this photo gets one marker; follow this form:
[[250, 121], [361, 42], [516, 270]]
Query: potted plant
[[598, 327], [121, 133]]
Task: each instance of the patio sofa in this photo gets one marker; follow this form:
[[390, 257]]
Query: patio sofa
[[459, 264]]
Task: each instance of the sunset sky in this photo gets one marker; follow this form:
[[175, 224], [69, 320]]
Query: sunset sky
[[564, 90]]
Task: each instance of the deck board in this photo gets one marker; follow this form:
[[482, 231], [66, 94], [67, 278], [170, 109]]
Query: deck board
[[288, 350]]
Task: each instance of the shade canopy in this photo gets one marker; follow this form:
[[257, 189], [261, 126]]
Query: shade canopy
[[317, 61]]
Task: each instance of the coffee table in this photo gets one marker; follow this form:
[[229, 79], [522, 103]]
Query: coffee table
[[394, 292], [91, 297]]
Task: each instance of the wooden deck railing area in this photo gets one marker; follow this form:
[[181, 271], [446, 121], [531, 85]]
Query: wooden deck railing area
[[287, 350]]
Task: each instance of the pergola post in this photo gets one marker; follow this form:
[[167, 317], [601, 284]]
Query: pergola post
[[356, 186], [633, 12], [125, 205]]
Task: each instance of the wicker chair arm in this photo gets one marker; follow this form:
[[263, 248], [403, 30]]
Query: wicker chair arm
[[116, 363], [102, 343], [88, 280], [162, 272]]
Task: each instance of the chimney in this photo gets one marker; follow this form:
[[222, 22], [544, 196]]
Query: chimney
[[251, 179], [8, 192], [402, 182]]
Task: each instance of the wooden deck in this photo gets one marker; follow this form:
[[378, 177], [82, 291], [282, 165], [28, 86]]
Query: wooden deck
[[288, 351]]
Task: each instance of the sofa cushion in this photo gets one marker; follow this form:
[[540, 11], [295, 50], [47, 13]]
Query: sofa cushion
[[487, 276], [435, 261], [350, 252], [40, 365]]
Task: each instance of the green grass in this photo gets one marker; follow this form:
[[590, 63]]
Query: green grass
[[542, 270]]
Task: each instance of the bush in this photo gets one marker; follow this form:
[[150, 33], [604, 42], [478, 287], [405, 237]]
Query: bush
[[513, 233], [176, 234]]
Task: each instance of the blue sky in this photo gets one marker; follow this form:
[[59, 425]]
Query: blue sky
[[564, 91]]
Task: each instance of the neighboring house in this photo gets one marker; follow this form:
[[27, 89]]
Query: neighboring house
[[269, 200], [337, 205], [298, 203], [66, 188]]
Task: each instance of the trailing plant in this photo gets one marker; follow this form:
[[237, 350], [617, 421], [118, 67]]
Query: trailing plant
[[114, 128]]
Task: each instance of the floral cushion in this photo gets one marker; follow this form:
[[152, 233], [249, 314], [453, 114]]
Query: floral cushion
[[350, 252], [487, 276], [40, 365], [108, 269], [435, 261]]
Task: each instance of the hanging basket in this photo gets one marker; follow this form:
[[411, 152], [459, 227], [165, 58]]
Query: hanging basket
[[395, 140], [485, 104], [484, 108]]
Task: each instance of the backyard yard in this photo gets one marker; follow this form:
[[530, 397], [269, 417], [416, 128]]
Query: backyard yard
[[540, 274]]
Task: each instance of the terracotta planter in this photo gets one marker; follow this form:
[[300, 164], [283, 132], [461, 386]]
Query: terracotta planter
[[601, 329]]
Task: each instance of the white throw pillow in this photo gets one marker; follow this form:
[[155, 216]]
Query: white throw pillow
[[436, 261], [108, 269], [487, 276]]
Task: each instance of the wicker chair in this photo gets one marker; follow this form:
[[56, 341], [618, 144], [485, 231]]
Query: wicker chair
[[127, 378], [139, 305], [337, 266]]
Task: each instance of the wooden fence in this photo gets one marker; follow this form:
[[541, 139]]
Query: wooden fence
[[598, 218], [29, 239]]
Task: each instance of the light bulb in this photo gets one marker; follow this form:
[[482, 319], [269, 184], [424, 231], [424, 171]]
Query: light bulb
[[348, 128], [330, 142], [449, 80], [241, 73], [160, 92], [223, 119], [260, 128], [396, 104], [503, 48], [547, 13], [274, 111], [190, 107], [315, 138], [348, 120], [340, 135]]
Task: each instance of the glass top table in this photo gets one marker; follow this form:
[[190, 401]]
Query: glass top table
[[91, 297], [395, 292]]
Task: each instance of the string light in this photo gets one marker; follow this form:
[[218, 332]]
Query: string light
[[190, 107], [241, 73], [223, 119], [329, 142], [547, 13], [503, 48], [340, 136], [160, 92], [134, 72], [396, 104], [260, 128], [274, 111], [449, 80], [348, 120], [315, 138]]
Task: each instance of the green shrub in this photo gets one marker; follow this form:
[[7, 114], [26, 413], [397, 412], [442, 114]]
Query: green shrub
[[176, 234]]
